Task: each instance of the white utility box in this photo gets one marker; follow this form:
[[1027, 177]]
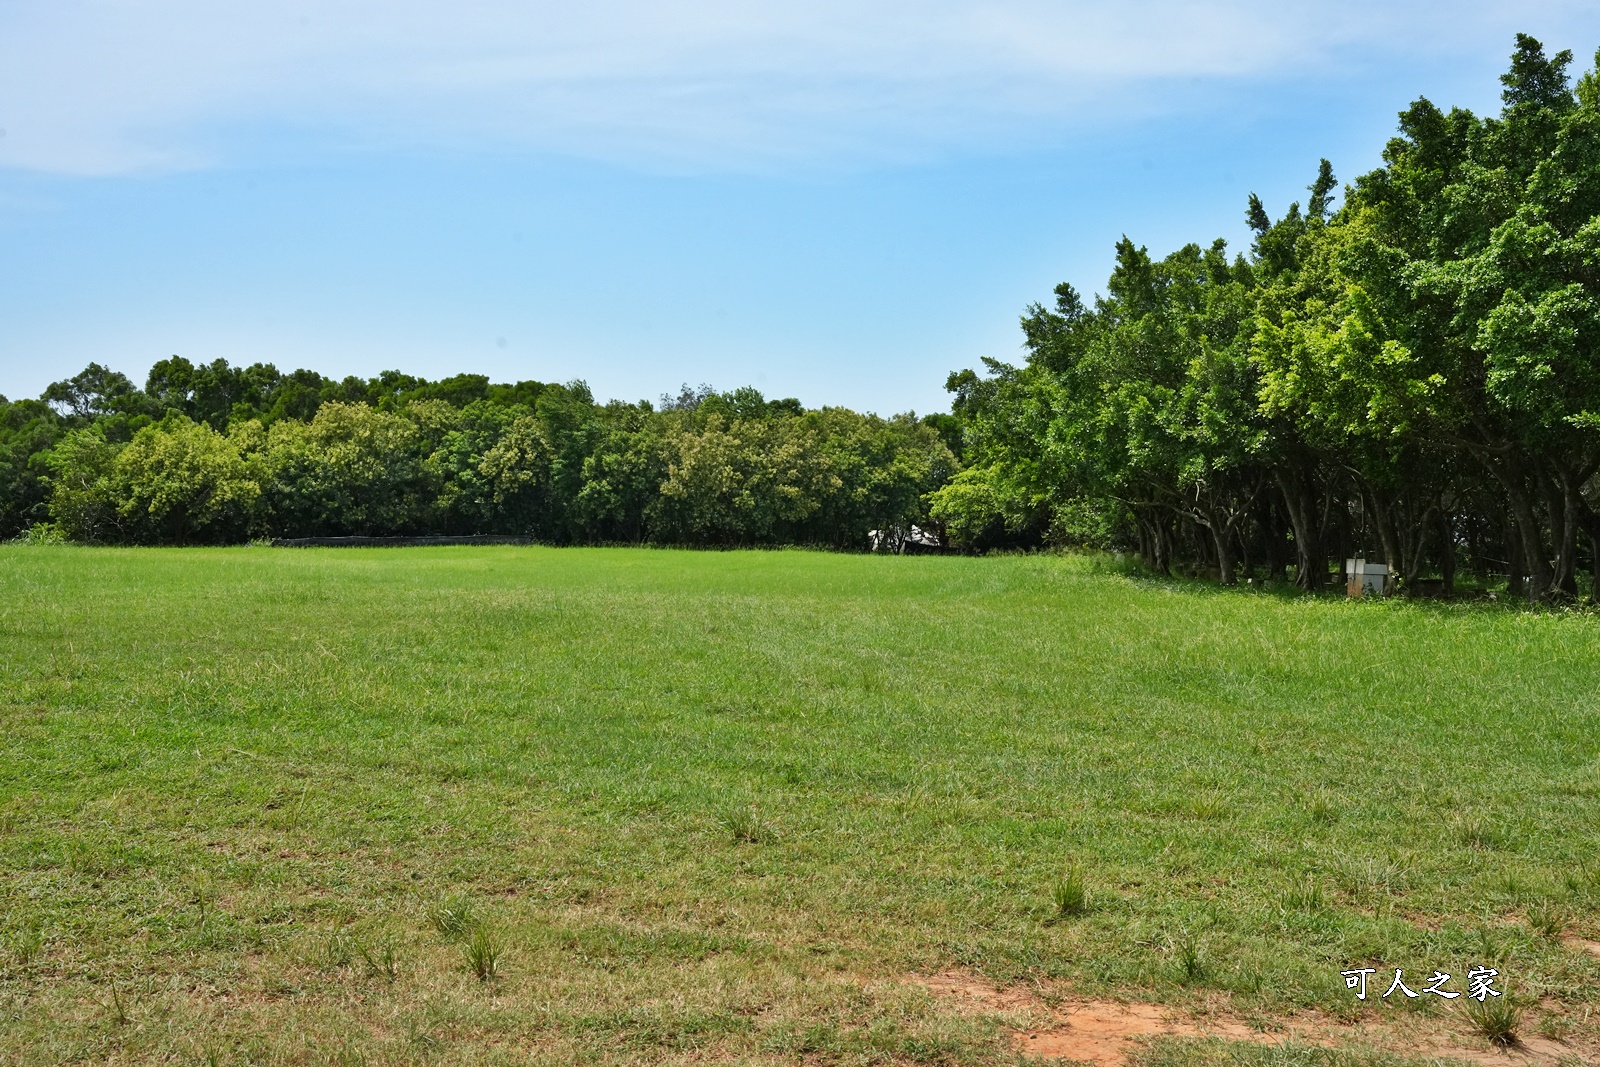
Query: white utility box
[[1366, 579]]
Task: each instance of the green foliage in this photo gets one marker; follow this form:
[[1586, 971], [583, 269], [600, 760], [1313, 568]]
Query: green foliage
[[352, 469], [181, 482], [82, 503], [243, 453], [43, 533], [28, 430], [1411, 376]]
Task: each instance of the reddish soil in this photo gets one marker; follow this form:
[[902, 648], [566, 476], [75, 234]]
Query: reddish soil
[[1102, 1032], [1107, 1033]]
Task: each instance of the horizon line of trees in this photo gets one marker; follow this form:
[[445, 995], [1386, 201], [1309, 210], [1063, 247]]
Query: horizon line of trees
[[213, 454], [1414, 375]]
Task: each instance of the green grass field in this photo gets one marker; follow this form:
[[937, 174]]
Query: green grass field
[[279, 806]]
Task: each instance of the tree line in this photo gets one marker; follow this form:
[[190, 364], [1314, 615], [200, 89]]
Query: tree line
[[1413, 374], [1410, 374], [218, 454]]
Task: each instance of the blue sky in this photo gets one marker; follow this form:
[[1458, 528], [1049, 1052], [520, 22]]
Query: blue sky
[[841, 203]]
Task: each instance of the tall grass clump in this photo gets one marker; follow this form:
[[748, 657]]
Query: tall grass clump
[[1479, 834], [1497, 1018], [1070, 894], [1304, 896], [1190, 954], [381, 960], [1322, 808], [743, 825], [482, 954], [452, 917], [1548, 919]]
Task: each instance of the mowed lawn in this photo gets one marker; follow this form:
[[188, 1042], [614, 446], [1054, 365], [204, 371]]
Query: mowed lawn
[[272, 806]]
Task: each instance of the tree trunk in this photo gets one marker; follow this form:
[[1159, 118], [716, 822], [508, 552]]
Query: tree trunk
[[1515, 573], [1299, 500], [1417, 557], [1447, 553], [1575, 519], [1533, 557], [1242, 532], [1383, 522], [1147, 539], [1222, 535], [1594, 566], [1535, 564], [1272, 529], [1563, 534]]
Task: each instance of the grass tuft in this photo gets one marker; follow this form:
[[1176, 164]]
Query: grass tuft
[[338, 950], [1304, 896], [1479, 834], [482, 953], [201, 894], [743, 825], [453, 917], [1210, 805], [1498, 1019], [26, 944], [1492, 943], [1374, 875], [1190, 954], [1070, 893], [1548, 919], [380, 961]]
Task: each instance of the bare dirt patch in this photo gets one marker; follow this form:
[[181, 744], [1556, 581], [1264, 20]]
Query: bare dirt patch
[[1583, 945], [1103, 1032], [1108, 1033], [975, 991]]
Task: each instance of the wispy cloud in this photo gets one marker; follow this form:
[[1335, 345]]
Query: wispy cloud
[[113, 86]]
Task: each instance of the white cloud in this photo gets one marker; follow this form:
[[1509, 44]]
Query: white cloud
[[111, 86]]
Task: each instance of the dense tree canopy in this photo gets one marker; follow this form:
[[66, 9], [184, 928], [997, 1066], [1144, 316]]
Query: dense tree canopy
[[1414, 375], [216, 454]]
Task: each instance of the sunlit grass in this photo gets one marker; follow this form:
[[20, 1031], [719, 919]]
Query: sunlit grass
[[264, 805]]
